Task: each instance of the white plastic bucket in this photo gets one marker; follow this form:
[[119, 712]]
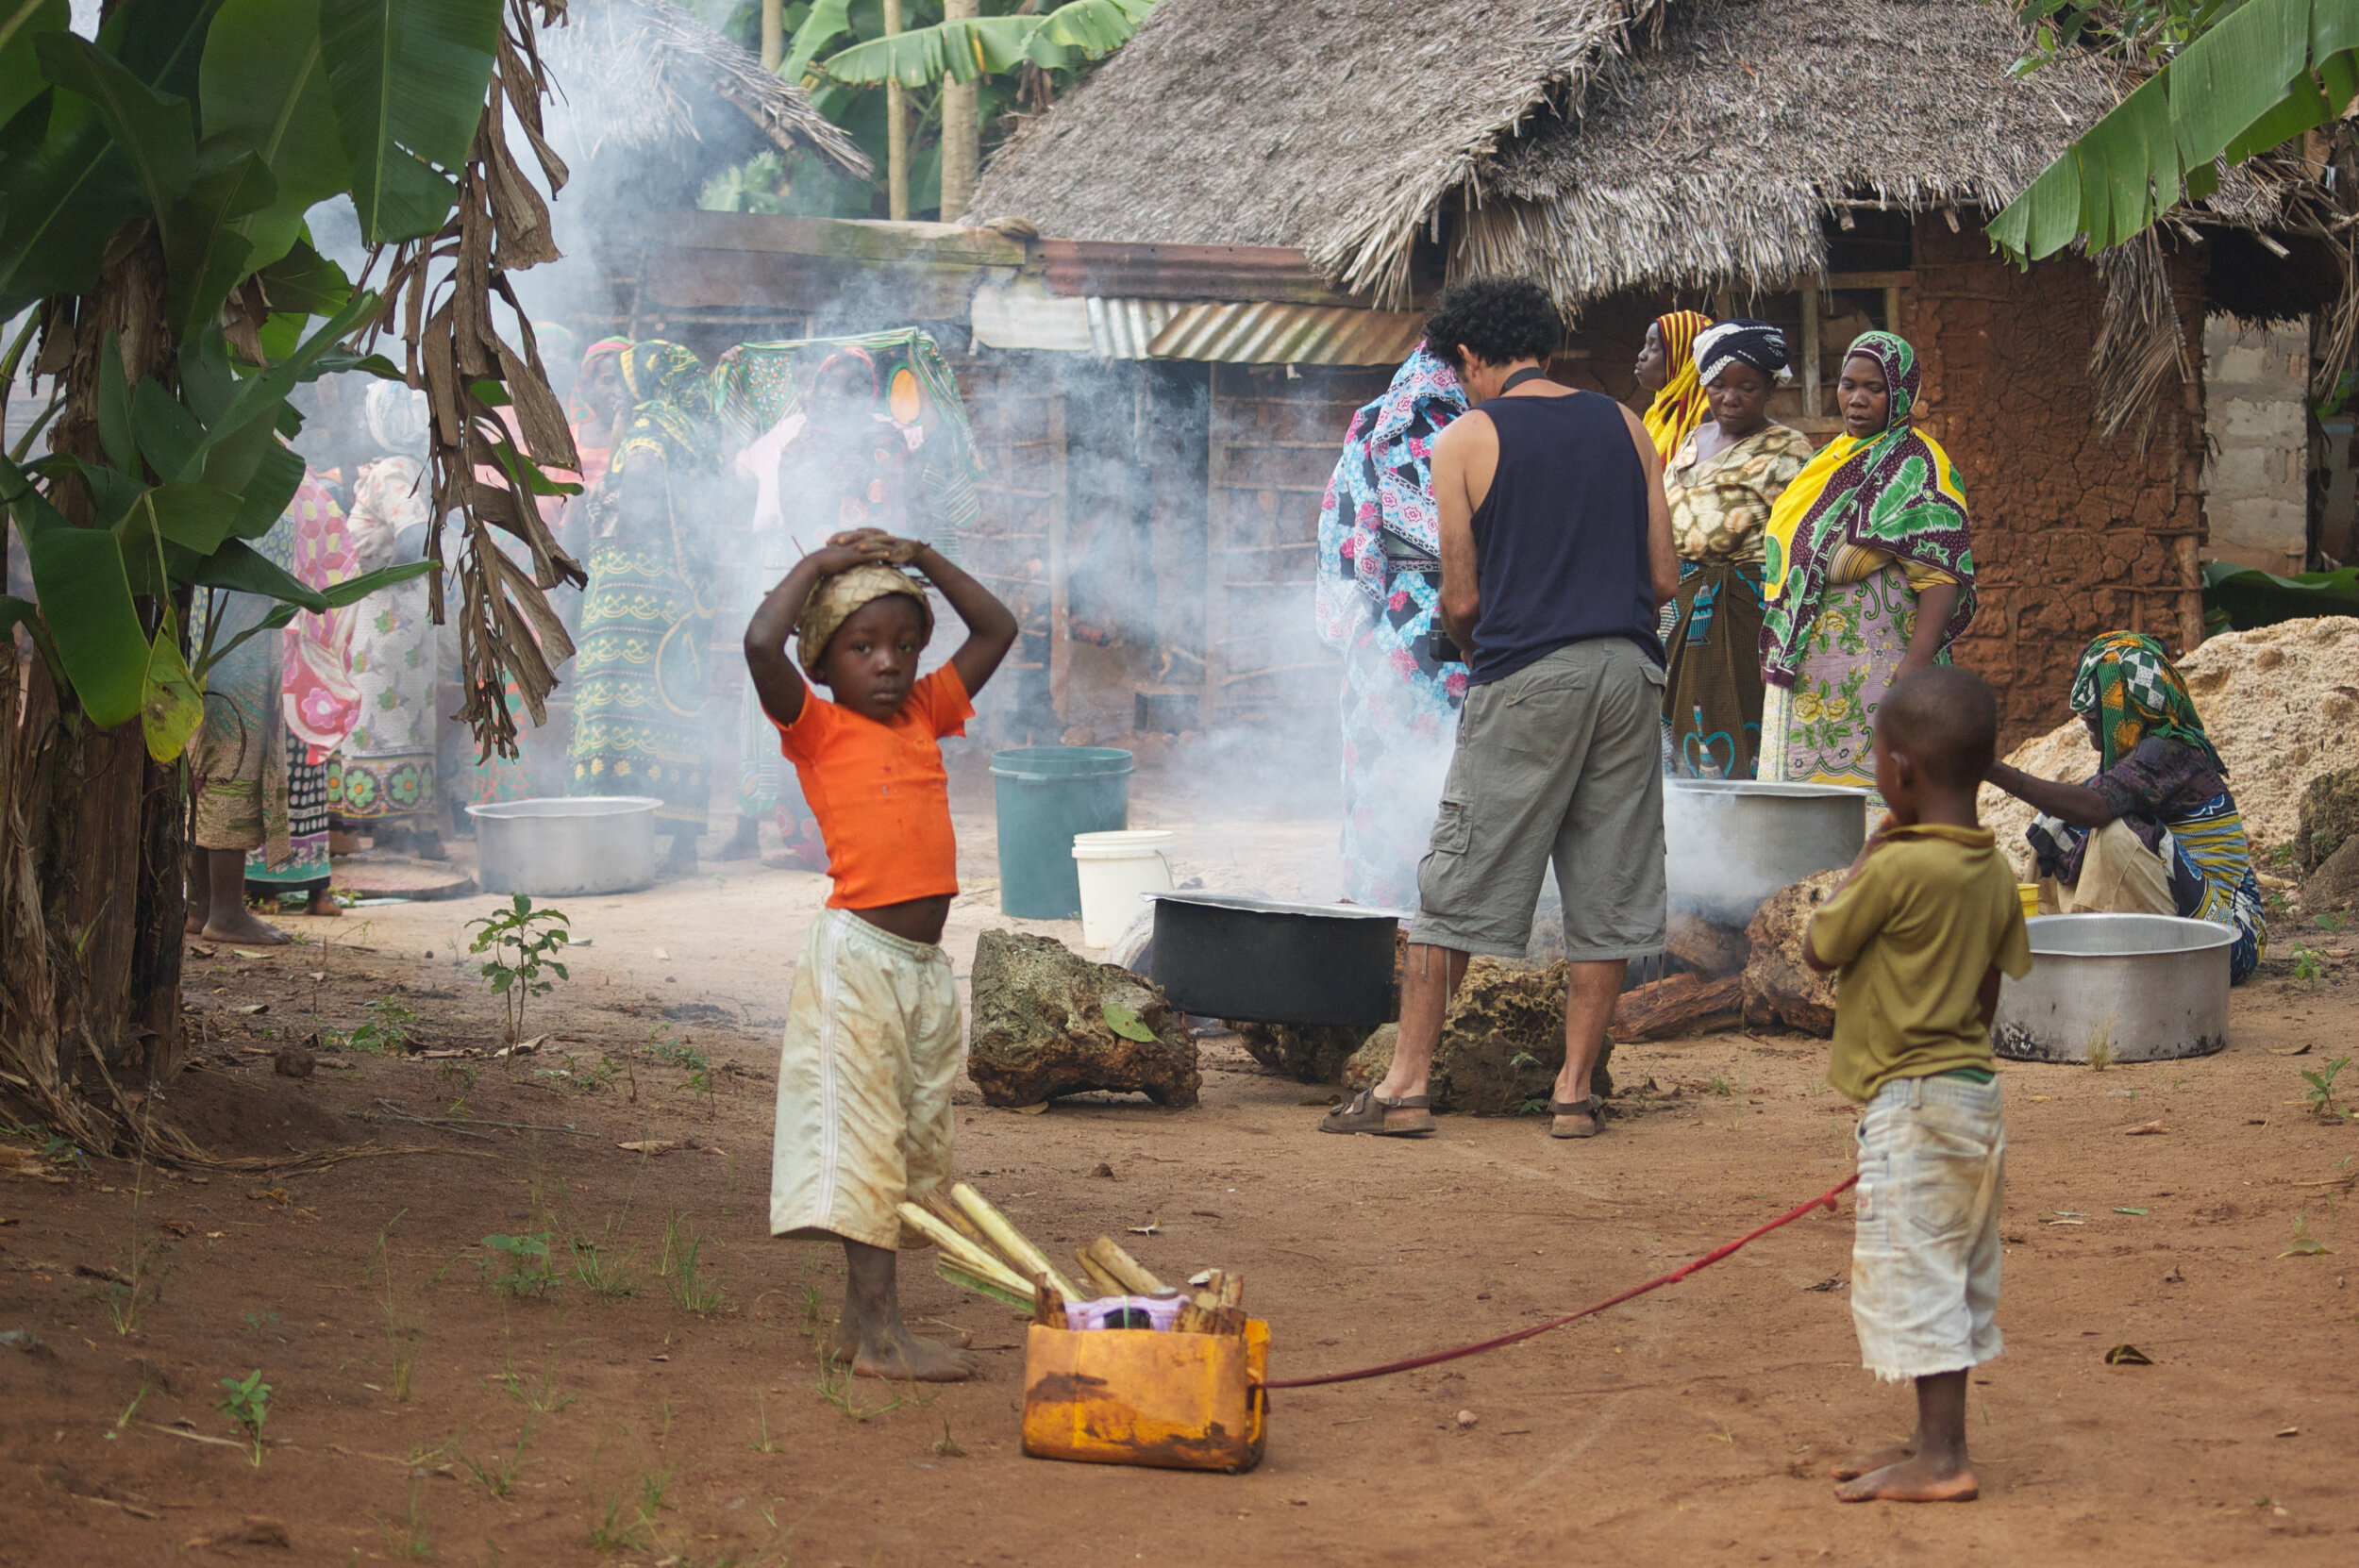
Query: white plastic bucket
[[1115, 869]]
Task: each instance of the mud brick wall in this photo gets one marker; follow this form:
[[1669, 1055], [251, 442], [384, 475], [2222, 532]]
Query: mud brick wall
[[2073, 534]]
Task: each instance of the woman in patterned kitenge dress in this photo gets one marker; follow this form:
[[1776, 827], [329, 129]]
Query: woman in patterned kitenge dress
[[1869, 574], [646, 617], [1379, 589], [2156, 831], [1721, 485]]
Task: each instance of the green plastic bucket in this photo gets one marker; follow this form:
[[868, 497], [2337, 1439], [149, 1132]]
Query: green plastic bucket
[[1046, 794]]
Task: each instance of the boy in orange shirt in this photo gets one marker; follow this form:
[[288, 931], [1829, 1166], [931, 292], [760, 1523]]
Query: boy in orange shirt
[[871, 1027], [1917, 936]]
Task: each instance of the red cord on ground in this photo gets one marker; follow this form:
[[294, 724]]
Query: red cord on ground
[[1825, 1200]]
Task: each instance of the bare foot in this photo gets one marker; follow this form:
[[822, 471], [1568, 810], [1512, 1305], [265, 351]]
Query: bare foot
[[323, 906], [195, 923], [897, 1354], [1916, 1480], [1868, 1464], [244, 927]]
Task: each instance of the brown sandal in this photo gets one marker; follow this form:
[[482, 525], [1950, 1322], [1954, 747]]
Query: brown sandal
[[1592, 1107], [1365, 1113]]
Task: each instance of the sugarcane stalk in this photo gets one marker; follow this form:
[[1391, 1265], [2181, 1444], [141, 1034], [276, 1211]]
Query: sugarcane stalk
[[988, 1287], [1106, 1284], [974, 1259], [938, 1204], [1109, 1256], [1028, 1259]]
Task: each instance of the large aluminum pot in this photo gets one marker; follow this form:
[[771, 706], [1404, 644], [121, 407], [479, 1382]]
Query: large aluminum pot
[[552, 848], [1729, 843], [2117, 988], [1258, 960]]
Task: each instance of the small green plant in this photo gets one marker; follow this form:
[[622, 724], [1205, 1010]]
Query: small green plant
[[1722, 1084], [497, 1475], [2306, 966], [544, 1400], [626, 1524], [387, 1031], [678, 1053], [2332, 921], [256, 1322], [522, 942], [690, 1287], [2100, 1047], [409, 1542], [604, 1276], [402, 1333], [762, 1416], [1522, 1059], [459, 1079], [1532, 1107], [123, 1422], [528, 1272], [2322, 1092], [837, 1386], [247, 1406], [138, 1281]]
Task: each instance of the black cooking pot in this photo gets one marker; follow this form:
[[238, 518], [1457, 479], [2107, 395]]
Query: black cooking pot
[[1260, 961]]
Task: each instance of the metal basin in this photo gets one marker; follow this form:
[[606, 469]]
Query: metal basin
[[1729, 843], [2117, 988], [552, 848], [1258, 960]]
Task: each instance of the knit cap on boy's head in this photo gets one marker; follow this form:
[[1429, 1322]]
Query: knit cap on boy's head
[[834, 601]]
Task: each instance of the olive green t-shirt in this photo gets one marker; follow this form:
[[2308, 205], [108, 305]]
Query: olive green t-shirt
[[1912, 933]]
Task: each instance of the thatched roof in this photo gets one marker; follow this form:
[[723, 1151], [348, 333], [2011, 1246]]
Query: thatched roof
[[645, 78], [1595, 143]]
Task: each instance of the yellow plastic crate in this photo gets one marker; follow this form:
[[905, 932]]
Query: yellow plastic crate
[[1135, 1396]]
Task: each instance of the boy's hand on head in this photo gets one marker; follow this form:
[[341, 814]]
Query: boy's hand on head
[[833, 558]]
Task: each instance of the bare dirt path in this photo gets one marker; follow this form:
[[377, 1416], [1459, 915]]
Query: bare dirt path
[[688, 1419]]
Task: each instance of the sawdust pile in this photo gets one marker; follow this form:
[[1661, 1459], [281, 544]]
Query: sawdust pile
[[2281, 703]]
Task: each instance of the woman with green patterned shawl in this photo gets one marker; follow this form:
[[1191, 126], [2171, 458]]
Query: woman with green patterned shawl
[[831, 434], [1869, 574], [646, 616], [2156, 831]]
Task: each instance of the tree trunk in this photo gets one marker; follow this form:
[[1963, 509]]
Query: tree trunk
[[106, 825], [773, 34], [897, 131], [961, 133]]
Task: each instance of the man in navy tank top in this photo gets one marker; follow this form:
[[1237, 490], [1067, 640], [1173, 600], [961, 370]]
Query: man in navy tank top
[[1556, 555]]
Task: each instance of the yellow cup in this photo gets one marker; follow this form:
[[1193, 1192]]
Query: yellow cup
[[2029, 893]]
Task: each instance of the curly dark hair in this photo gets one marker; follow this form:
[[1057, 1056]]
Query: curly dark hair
[[1501, 318]]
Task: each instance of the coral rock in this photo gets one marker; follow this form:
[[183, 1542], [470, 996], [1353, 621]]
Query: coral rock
[[1041, 1030], [1307, 1053], [1502, 1042], [1779, 989]]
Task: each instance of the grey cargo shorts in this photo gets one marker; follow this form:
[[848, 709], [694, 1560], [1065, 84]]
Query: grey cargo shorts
[[1561, 760]]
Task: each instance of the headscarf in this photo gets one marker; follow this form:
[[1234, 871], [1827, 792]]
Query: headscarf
[[1895, 491], [576, 409], [671, 408], [834, 600], [2126, 676], [397, 418], [1680, 406], [1383, 483], [1757, 343]]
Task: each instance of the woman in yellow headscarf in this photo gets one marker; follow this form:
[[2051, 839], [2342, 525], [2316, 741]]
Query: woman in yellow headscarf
[[1667, 367]]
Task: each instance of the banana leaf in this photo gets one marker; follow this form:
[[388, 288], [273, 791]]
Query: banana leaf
[[2238, 598]]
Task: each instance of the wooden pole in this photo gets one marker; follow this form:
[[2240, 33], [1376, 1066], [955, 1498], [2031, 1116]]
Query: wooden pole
[[1810, 348], [961, 128], [773, 35], [897, 130], [1060, 566]]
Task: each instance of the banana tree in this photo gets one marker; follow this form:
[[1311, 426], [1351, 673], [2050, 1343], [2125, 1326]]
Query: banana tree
[[2232, 80], [153, 185]]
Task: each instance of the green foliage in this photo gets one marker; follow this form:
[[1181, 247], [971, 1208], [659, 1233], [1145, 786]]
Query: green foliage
[[2320, 1095], [2304, 1245], [1125, 1023], [528, 1272], [2306, 965], [387, 1032], [2232, 80], [247, 1406], [921, 57], [522, 942], [688, 1288], [601, 1273]]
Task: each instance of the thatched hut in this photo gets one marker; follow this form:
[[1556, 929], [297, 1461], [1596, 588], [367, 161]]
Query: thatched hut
[[1829, 166]]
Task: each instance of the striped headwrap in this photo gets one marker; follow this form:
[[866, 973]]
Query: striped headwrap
[[2126, 678], [1680, 406], [1757, 343]]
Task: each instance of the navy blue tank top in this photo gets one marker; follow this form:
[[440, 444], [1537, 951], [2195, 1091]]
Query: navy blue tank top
[[1561, 540]]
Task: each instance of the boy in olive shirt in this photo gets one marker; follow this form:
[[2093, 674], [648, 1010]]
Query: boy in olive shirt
[[1917, 936]]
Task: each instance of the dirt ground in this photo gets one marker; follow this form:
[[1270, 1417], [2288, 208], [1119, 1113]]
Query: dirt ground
[[419, 1411]]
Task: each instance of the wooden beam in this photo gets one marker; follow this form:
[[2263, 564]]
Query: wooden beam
[[1810, 349], [1060, 570]]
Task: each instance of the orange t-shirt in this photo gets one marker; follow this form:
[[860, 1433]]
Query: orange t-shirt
[[880, 793]]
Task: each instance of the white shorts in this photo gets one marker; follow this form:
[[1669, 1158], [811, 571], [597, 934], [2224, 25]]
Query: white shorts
[[865, 1077], [1932, 1178]]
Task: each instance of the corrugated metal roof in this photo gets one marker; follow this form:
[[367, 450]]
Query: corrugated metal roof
[[1123, 328], [1270, 334]]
